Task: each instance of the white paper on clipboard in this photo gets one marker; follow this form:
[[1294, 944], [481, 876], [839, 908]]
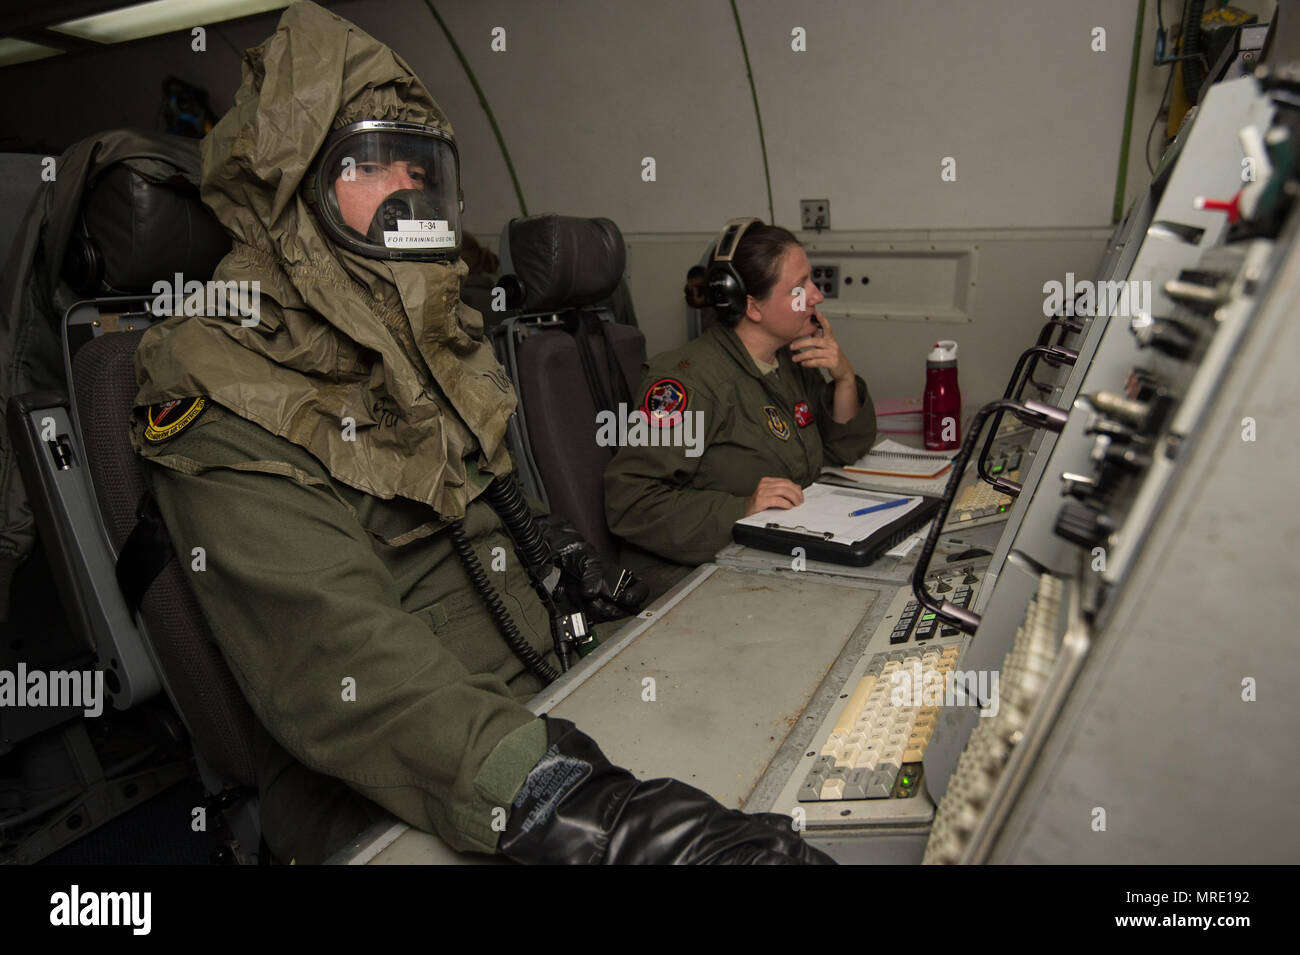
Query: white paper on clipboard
[[825, 513]]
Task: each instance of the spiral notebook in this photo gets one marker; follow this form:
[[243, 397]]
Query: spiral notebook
[[888, 481], [891, 459]]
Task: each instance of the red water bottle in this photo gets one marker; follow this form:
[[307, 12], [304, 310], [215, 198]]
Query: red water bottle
[[942, 398]]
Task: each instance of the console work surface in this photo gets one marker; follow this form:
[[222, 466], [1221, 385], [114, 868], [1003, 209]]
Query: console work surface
[[711, 690]]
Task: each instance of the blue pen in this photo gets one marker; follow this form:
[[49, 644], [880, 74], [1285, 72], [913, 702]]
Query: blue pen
[[879, 507]]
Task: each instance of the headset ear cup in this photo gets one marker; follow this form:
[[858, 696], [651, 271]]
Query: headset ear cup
[[83, 266], [726, 289]]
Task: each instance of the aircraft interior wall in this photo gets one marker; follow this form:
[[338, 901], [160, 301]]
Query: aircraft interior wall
[[864, 117]]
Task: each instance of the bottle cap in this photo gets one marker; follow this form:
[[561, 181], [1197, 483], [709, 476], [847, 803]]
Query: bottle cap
[[943, 351]]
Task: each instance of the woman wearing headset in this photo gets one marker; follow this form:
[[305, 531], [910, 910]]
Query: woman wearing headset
[[763, 418]]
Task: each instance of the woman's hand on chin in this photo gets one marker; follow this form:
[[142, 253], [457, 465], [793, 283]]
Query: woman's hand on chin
[[822, 351]]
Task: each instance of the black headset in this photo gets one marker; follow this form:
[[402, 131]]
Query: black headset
[[726, 287]]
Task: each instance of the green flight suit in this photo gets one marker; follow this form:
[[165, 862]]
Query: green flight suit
[[754, 425], [374, 669]]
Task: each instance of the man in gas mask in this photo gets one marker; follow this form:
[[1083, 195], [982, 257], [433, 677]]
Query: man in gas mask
[[332, 456]]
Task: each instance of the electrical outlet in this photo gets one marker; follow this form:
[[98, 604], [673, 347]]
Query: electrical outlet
[[827, 278], [816, 214]]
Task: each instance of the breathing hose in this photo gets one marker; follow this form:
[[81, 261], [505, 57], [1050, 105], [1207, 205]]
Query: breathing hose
[[514, 639]]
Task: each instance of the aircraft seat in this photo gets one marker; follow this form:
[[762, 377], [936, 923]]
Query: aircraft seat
[[87, 489], [568, 359]]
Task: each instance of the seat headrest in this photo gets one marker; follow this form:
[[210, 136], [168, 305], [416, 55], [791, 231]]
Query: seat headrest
[[135, 231], [563, 261]]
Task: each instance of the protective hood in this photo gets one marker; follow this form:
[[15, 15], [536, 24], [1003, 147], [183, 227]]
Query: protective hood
[[375, 367]]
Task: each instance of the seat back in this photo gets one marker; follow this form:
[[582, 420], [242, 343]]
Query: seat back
[[197, 678], [564, 430], [572, 397], [131, 229]]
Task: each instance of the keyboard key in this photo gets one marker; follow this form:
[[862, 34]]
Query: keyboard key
[[881, 784], [833, 789], [855, 785], [856, 701]]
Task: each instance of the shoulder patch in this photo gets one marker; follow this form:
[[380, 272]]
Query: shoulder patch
[[803, 414], [170, 418], [665, 401], [776, 423]]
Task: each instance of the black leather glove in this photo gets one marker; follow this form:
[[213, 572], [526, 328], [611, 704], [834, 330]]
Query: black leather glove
[[603, 592], [576, 807]]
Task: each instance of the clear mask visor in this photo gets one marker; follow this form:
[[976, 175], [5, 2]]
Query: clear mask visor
[[392, 192]]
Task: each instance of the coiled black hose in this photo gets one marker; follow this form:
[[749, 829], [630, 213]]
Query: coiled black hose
[[506, 499], [514, 639]]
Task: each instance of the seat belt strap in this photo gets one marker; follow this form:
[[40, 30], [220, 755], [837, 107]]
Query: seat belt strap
[[144, 554]]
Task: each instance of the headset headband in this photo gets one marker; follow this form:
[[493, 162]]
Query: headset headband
[[730, 238]]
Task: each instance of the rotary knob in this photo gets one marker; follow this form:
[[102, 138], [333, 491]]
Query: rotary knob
[[1166, 335], [1083, 524], [1199, 290], [1132, 459], [1079, 486]]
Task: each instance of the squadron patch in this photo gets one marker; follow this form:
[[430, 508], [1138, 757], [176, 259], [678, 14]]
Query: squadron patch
[[776, 423], [170, 418], [803, 415], [664, 403]]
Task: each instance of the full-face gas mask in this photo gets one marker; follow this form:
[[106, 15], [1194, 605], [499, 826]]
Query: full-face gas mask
[[390, 190]]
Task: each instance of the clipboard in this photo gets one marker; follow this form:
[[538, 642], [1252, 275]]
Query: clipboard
[[824, 528]]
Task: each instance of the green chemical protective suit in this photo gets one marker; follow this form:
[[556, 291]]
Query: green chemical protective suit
[[340, 432]]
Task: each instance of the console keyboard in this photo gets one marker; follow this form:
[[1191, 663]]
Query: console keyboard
[[979, 500], [875, 748], [864, 763]]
